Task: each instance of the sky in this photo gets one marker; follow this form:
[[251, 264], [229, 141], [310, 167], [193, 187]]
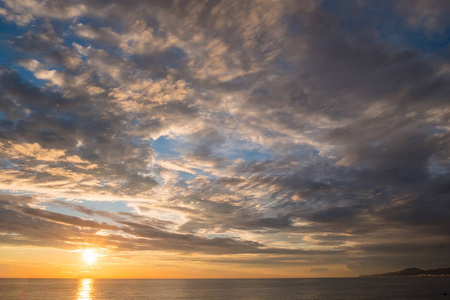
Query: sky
[[223, 139]]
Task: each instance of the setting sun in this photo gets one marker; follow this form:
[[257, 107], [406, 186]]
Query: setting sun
[[89, 256]]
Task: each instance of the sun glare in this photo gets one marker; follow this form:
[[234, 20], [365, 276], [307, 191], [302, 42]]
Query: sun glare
[[89, 256], [85, 289]]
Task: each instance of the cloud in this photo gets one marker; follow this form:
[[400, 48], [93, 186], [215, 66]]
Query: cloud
[[319, 269], [105, 35], [61, 229], [23, 12]]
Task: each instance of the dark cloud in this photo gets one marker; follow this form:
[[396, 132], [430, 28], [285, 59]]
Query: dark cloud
[[60, 229]]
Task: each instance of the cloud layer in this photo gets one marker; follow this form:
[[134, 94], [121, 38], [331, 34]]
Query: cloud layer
[[311, 133]]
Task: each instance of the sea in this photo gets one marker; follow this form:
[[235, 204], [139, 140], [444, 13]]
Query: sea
[[254, 289]]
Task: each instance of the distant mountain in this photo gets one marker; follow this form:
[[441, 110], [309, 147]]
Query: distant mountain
[[412, 272]]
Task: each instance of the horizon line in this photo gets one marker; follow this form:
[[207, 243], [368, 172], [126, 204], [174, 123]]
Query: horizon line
[[218, 278]]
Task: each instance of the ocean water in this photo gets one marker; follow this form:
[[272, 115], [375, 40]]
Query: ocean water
[[330, 288]]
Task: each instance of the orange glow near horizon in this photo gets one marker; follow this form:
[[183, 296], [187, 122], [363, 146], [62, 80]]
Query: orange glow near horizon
[[34, 262]]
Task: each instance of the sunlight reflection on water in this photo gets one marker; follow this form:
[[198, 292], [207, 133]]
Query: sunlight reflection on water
[[85, 289]]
